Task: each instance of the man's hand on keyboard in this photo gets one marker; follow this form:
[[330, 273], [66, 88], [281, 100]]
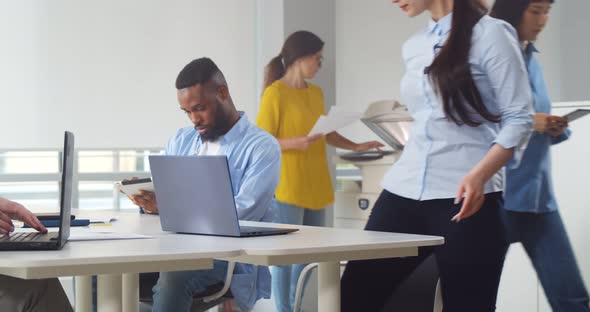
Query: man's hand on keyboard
[[10, 210]]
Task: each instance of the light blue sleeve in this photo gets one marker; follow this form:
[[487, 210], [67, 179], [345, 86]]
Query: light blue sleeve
[[508, 78], [170, 147], [173, 145], [259, 181]]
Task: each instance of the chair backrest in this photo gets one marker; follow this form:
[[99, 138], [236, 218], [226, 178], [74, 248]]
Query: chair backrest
[[147, 281]]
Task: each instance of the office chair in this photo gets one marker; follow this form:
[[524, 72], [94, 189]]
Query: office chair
[[213, 296], [423, 283], [438, 303]]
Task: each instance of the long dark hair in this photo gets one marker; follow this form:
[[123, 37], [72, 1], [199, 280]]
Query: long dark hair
[[450, 71], [512, 11], [299, 44]]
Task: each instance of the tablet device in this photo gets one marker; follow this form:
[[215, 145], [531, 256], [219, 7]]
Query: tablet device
[[578, 113], [132, 187]]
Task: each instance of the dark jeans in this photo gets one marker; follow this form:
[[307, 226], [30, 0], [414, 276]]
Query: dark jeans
[[545, 240], [470, 262]]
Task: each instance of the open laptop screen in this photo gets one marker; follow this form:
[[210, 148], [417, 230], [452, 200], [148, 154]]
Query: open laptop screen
[[66, 187]]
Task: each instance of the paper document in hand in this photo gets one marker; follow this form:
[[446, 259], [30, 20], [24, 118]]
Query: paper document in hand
[[334, 121]]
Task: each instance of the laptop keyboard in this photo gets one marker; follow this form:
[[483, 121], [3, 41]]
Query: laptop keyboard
[[21, 237]]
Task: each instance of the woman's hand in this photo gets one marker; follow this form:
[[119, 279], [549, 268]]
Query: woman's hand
[[550, 124], [299, 143], [471, 188], [471, 194], [365, 146]]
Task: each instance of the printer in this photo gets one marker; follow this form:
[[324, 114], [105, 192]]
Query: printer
[[357, 191]]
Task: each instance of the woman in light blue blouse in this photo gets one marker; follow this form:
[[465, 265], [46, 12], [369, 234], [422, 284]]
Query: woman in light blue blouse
[[532, 217], [467, 90]]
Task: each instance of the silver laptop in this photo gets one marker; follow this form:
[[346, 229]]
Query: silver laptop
[[195, 196], [53, 240]]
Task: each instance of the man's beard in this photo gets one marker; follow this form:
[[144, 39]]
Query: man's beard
[[211, 135], [220, 127]]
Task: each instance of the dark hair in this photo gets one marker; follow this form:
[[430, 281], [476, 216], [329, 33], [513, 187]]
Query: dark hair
[[451, 73], [199, 71], [299, 44], [512, 11]]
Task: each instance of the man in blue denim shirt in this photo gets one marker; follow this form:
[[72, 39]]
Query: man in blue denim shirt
[[254, 162]]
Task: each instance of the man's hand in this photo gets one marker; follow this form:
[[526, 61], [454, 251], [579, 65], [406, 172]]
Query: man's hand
[[146, 200], [10, 210], [550, 124]]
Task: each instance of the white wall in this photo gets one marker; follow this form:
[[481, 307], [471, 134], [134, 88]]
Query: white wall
[[106, 69], [369, 67], [575, 49], [317, 17], [270, 29]]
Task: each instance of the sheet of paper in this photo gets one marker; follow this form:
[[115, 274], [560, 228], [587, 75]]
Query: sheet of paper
[[334, 121], [82, 234], [104, 219]]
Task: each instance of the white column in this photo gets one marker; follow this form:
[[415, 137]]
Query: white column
[[130, 292], [83, 293], [109, 293], [329, 286]]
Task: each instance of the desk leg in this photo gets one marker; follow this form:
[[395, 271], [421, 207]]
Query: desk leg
[[329, 286], [109, 293], [83, 293], [130, 292]]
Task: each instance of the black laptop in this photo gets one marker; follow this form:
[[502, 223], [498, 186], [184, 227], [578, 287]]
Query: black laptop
[[53, 240]]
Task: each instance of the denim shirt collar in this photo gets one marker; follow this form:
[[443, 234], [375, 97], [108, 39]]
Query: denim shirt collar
[[530, 48], [237, 131]]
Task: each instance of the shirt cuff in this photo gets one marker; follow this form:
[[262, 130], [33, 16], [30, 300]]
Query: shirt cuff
[[560, 138], [516, 141]]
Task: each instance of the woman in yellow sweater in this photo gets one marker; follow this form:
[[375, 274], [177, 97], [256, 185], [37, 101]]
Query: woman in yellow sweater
[[289, 108]]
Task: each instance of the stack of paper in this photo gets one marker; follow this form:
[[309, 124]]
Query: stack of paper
[[85, 234], [335, 120]]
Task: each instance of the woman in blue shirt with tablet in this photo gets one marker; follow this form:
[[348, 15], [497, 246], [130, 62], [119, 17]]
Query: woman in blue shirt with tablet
[[466, 88], [531, 215]]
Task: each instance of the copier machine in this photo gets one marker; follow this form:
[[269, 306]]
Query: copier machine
[[356, 194]]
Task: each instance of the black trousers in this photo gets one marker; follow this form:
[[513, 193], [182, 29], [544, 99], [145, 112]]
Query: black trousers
[[470, 262]]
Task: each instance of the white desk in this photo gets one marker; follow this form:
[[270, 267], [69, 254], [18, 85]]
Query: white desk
[[117, 262], [329, 246], [168, 251]]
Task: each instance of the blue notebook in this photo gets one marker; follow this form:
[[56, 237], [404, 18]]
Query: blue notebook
[[55, 223]]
